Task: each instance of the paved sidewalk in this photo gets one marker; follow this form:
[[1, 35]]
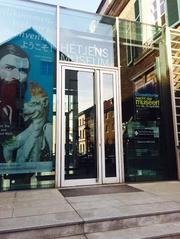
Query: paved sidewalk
[[167, 190], [43, 209]]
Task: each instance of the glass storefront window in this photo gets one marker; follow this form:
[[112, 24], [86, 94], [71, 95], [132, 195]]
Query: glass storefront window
[[87, 38], [138, 38], [28, 97], [146, 112], [27, 78]]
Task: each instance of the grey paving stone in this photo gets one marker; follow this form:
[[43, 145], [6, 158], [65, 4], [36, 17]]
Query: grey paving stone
[[7, 195], [39, 221], [128, 211], [153, 231], [172, 197], [159, 188], [46, 209], [45, 233], [6, 212], [125, 198], [166, 190], [38, 194], [105, 201], [119, 223], [6, 201], [73, 237], [38, 202], [6, 204]]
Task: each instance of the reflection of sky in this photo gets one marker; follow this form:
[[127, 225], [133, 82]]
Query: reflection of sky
[[18, 16], [90, 6], [85, 90], [107, 86]]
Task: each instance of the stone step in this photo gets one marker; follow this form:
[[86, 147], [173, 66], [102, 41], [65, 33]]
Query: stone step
[[91, 222], [46, 214], [129, 216], [74, 237], [47, 226], [163, 231]]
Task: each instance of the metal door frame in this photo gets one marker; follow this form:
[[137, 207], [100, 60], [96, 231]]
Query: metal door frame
[[101, 179]]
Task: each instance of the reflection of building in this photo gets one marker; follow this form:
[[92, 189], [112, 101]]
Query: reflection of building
[[149, 11], [86, 127], [146, 98], [109, 122], [82, 133], [86, 131]]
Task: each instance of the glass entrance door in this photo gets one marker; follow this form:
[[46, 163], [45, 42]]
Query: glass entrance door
[[89, 127], [109, 127]]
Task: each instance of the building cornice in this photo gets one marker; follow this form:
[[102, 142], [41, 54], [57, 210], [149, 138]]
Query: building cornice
[[114, 8]]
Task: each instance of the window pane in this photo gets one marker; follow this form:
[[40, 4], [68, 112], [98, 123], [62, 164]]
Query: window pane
[[109, 131], [80, 148], [27, 76], [173, 11], [87, 38], [146, 108]]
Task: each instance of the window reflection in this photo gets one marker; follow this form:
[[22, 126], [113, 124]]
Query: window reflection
[[27, 79], [80, 125], [109, 132]]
